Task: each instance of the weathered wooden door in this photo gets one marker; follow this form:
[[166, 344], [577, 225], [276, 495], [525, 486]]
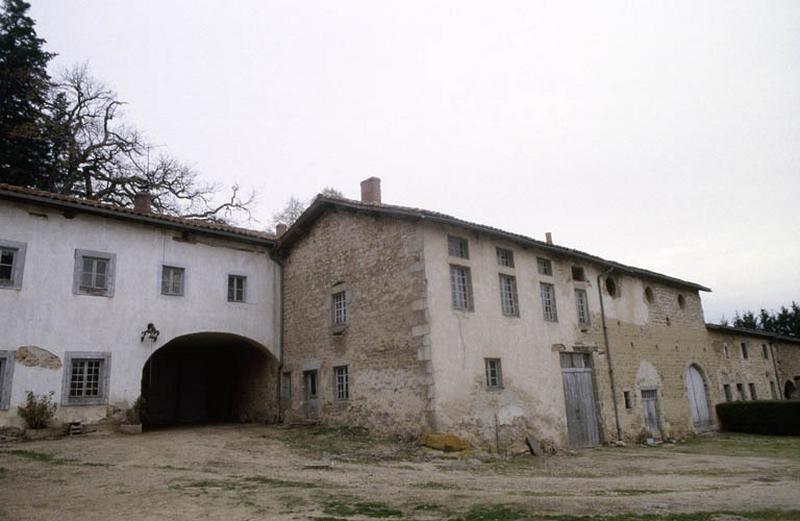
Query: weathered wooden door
[[650, 410], [311, 396], [576, 373], [698, 403]]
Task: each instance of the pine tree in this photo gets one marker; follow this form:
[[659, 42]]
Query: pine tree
[[24, 87]]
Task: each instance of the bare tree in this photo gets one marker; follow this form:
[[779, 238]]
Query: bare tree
[[295, 207], [97, 156]]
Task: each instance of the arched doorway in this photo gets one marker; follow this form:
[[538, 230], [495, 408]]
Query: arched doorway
[[698, 398], [209, 377], [790, 390]]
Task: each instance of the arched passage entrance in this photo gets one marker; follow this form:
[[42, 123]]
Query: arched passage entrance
[[209, 377], [698, 398], [790, 390]]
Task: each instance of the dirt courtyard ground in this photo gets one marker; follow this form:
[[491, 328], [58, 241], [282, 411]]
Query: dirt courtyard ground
[[250, 472]]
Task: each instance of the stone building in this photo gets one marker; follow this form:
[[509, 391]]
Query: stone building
[[396, 319]]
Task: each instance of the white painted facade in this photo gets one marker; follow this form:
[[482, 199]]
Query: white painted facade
[[44, 312]]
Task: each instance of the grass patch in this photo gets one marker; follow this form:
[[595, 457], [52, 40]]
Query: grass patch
[[279, 483], [507, 513], [733, 444], [41, 457], [364, 508], [347, 444], [434, 485], [493, 513]]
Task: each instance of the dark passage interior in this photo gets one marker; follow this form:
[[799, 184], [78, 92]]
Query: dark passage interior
[[208, 377]]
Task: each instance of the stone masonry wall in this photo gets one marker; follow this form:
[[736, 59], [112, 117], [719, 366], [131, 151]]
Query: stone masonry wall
[[788, 358], [378, 263]]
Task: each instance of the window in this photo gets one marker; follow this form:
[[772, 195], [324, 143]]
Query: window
[[310, 379], [12, 262], [611, 287], [764, 351], [172, 281], [753, 394], [286, 385], [728, 394], [740, 392], [6, 375], [461, 288], [582, 304], [628, 402], [94, 273], [548, 292], [545, 266], [339, 308], [773, 390], [744, 351], [726, 351], [341, 383], [494, 373], [681, 301], [505, 257], [237, 288], [648, 294], [508, 296], [457, 247], [578, 274], [86, 378]]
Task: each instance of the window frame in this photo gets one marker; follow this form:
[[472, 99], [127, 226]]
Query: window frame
[[17, 263], [751, 387], [740, 392], [726, 390], [104, 377], [111, 271], [580, 271], [233, 277], [744, 349], [7, 363], [336, 322], [505, 257], [508, 295], [341, 388], [498, 373], [173, 267], [544, 266], [469, 304], [764, 351], [552, 316], [463, 247], [582, 309]]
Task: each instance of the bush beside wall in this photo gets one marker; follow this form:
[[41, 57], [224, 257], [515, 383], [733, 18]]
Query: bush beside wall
[[761, 417]]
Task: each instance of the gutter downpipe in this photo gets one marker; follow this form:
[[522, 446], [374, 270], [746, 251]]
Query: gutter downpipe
[[280, 262], [778, 378], [608, 351]]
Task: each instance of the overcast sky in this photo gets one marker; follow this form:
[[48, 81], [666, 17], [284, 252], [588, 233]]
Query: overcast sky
[[660, 134]]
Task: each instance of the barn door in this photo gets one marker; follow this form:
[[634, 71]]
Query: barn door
[[698, 403], [576, 373], [651, 413]]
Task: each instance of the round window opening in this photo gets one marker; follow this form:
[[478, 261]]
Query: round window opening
[[611, 287], [648, 295], [681, 301]]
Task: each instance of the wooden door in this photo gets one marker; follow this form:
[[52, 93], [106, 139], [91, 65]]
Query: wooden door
[[698, 403], [579, 398], [652, 422]]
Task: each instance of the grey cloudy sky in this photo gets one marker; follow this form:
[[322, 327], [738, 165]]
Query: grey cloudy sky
[[661, 134]]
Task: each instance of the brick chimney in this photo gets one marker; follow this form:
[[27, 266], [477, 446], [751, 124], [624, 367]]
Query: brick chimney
[[371, 190], [548, 238], [143, 202], [280, 229]]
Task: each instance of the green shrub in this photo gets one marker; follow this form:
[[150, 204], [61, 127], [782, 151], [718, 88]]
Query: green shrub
[[38, 410], [761, 417]]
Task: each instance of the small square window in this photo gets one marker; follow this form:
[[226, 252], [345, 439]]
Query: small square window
[[457, 247], [740, 392], [461, 288], [86, 378], [237, 288], [94, 273], [494, 373], [172, 281], [12, 262], [745, 355], [582, 305], [548, 293], [728, 394], [339, 308], [505, 257], [508, 296], [578, 274], [545, 266], [7, 256], [342, 382], [628, 402]]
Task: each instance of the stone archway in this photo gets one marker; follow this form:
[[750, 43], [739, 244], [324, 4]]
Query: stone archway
[[790, 390], [209, 377]]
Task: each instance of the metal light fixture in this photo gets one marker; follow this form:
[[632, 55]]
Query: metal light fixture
[[151, 332]]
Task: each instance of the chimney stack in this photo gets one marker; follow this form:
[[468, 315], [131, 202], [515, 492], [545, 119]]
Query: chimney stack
[[280, 229], [548, 238], [371, 190], [143, 202]]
